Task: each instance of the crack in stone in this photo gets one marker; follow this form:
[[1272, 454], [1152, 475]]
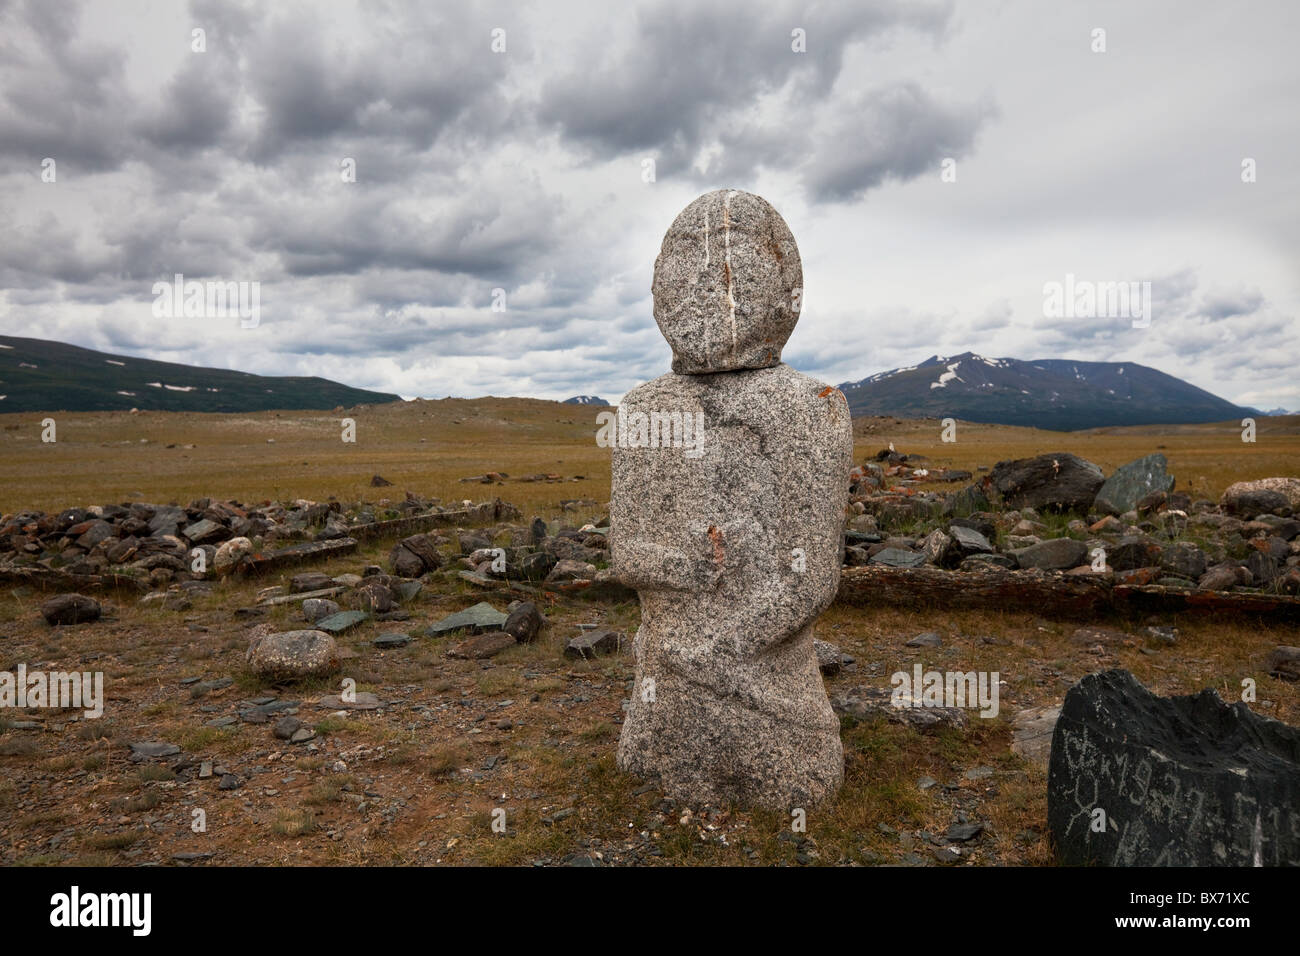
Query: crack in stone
[[731, 298]]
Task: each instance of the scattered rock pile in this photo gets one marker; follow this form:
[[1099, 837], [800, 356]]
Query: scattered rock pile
[[1058, 512]]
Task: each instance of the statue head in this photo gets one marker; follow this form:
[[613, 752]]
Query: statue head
[[728, 284]]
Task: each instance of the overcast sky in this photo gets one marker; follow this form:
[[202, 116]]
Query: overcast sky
[[524, 170]]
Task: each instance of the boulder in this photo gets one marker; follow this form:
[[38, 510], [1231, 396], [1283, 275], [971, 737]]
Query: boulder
[[591, 643], [1052, 555], [293, 655], [1056, 482], [1284, 662], [482, 646], [867, 702], [1131, 484], [1184, 560], [317, 609], [898, 558], [830, 659], [405, 563], [524, 622], [1222, 577], [476, 619], [1140, 780], [1264, 496], [230, 553], [935, 547], [70, 609], [1133, 552], [309, 581]]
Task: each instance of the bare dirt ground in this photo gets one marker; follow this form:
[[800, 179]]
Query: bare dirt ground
[[419, 780]]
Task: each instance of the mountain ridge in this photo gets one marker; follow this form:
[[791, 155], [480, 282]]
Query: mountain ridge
[[39, 375], [1055, 394]]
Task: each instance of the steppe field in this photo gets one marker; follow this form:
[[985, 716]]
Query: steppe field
[[529, 731]]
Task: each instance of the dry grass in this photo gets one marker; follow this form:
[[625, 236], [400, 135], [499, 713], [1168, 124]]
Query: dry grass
[[424, 778]]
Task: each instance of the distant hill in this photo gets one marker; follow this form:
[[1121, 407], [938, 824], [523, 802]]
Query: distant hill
[[37, 376], [1056, 394], [585, 400], [1277, 412]]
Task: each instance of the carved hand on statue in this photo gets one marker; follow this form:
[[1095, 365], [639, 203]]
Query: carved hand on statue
[[647, 566]]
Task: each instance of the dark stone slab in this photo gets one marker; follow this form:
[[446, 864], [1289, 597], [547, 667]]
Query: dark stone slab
[[1182, 781]]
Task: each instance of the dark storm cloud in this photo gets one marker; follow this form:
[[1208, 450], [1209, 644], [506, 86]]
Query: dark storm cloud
[[690, 75], [894, 133], [520, 171], [60, 95]]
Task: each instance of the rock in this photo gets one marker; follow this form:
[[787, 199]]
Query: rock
[[964, 832], [1265, 496], [359, 700], [982, 562], [391, 640], [293, 655], [1092, 636], [1219, 578], [589, 644], [1133, 552], [967, 541], [898, 558], [426, 549], [151, 749], [229, 782], [378, 481], [935, 546], [475, 620], [830, 659], [1107, 525], [926, 639], [1058, 481], [206, 532], [405, 563], [524, 622], [70, 609], [537, 565], [1263, 568], [309, 581], [569, 570], [286, 727], [1131, 483], [230, 553], [316, 609], [1182, 781], [97, 532], [980, 522], [1053, 554], [1163, 635], [374, 597], [1138, 577], [1031, 733], [1184, 560], [866, 702], [483, 646], [740, 712], [340, 622], [1284, 662]]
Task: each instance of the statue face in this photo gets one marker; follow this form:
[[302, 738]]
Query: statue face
[[728, 284]]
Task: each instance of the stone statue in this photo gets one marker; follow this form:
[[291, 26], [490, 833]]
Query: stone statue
[[730, 483]]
